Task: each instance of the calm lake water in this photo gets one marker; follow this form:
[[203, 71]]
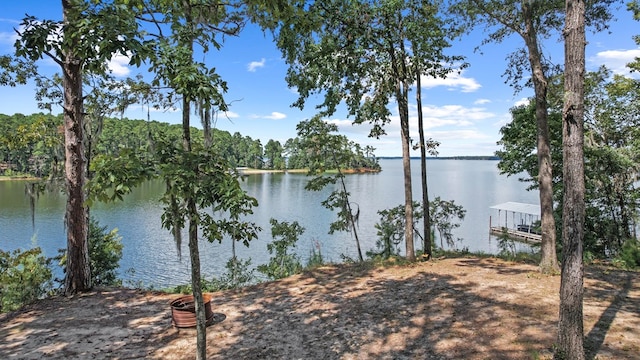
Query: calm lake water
[[150, 254]]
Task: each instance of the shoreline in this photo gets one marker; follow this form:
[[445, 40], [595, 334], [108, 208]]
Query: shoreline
[[252, 171], [22, 178], [241, 171]]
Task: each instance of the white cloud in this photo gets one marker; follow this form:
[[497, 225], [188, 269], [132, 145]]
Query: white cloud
[[458, 120], [456, 115], [9, 37], [503, 120], [467, 134], [461, 130], [254, 65], [119, 65], [521, 102], [616, 60], [276, 116], [346, 126], [455, 80], [481, 102], [273, 116], [231, 115]]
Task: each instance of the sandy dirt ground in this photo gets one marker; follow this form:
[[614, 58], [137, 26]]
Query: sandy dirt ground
[[463, 308]]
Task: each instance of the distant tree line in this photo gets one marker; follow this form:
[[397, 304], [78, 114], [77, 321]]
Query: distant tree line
[[33, 145]]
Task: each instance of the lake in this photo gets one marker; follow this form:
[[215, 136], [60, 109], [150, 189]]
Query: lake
[[150, 254]]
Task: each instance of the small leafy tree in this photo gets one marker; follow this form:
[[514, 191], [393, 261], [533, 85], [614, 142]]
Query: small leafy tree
[[25, 276], [390, 230], [361, 54], [273, 152], [315, 256], [105, 252], [329, 151], [238, 274], [506, 244], [285, 237], [443, 214], [629, 256]]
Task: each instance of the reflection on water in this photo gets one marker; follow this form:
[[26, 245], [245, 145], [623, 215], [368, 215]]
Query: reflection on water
[[150, 251]]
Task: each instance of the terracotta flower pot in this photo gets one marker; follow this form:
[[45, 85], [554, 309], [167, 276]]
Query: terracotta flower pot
[[183, 311]]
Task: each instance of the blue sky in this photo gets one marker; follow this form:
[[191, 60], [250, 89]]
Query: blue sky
[[463, 112]]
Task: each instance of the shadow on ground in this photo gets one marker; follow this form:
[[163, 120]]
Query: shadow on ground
[[446, 309]]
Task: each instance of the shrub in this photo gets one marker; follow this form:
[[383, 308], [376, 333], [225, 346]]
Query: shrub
[[629, 255], [282, 264], [25, 276], [105, 252], [238, 275], [315, 257], [506, 245]]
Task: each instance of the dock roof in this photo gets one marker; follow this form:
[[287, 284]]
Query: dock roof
[[531, 209]]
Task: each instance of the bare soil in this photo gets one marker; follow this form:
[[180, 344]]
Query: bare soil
[[464, 308]]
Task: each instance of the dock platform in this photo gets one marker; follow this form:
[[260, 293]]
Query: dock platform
[[518, 235]]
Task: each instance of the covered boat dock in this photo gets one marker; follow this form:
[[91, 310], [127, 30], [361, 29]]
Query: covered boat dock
[[517, 220]]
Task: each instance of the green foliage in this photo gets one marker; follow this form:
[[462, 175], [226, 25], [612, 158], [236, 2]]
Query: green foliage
[[518, 152], [238, 274], [330, 151], [502, 19], [629, 256], [14, 71], [390, 230], [611, 151], [443, 216], [25, 276], [283, 263], [106, 29], [115, 176], [273, 152], [105, 252], [360, 67], [315, 256], [33, 145], [506, 245], [208, 180]]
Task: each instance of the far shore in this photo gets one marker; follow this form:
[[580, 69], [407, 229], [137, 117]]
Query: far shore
[[252, 171], [241, 170], [21, 178]]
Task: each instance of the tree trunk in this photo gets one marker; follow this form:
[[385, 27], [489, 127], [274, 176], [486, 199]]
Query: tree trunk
[[194, 251], [406, 166], [570, 325], [426, 224], [78, 273], [548, 258], [402, 98], [347, 204]]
